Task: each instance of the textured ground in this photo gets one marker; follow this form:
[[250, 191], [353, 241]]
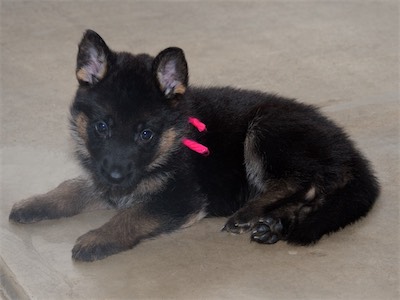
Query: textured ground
[[342, 56]]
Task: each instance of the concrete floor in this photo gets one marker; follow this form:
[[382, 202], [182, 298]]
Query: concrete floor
[[340, 55]]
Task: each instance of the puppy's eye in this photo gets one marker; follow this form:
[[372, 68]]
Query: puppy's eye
[[146, 135], [101, 127]]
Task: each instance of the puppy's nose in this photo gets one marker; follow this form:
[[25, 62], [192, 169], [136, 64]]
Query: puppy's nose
[[116, 176], [113, 175], [116, 172]]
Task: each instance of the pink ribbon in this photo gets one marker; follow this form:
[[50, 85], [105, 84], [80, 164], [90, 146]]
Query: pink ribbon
[[198, 124], [193, 145], [196, 147]]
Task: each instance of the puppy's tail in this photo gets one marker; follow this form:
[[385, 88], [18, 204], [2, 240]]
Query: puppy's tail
[[342, 207]]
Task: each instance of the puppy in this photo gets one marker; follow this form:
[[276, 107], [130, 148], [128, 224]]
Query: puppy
[[165, 155]]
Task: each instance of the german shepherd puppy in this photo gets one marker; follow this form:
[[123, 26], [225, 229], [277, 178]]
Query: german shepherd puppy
[[165, 155]]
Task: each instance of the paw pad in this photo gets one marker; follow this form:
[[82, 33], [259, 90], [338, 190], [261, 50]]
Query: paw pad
[[267, 231]]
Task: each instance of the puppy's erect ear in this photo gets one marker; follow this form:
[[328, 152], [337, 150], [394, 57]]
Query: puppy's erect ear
[[171, 71], [93, 59]]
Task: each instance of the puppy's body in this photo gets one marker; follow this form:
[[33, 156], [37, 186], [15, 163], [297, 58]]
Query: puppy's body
[[278, 167]]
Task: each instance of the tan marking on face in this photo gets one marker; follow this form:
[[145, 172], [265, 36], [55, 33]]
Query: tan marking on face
[[167, 145], [79, 134], [81, 125]]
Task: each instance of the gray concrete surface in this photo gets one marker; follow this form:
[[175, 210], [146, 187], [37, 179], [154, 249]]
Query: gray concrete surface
[[340, 55]]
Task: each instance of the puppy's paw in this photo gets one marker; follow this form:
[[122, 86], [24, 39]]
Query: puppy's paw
[[267, 231], [28, 211], [95, 245]]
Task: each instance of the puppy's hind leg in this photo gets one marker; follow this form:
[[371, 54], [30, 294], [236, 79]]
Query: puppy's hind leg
[[267, 188], [279, 193], [69, 198], [298, 198]]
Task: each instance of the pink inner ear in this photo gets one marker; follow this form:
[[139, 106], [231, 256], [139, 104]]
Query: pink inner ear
[[97, 64], [167, 77], [95, 68]]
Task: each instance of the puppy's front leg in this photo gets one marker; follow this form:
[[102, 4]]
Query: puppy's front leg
[[129, 226], [69, 198]]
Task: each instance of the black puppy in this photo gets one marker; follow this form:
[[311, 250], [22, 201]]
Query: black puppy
[[165, 155]]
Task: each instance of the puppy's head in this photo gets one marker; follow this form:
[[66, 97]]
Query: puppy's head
[[127, 118]]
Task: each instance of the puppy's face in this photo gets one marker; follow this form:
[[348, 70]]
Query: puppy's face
[[126, 118]]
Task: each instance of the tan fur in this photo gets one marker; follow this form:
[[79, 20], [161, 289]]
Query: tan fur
[[83, 75], [194, 218], [81, 126], [122, 232], [180, 89], [168, 144], [79, 134], [153, 184], [69, 198]]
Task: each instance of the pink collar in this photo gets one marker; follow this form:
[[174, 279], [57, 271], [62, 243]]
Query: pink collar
[[193, 145]]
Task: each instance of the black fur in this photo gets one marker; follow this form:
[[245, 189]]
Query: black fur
[[279, 168]]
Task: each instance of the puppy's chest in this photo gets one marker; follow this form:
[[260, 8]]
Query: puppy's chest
[[119, 200]]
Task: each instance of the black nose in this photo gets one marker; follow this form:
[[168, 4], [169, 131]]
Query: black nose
[[116, 176], [115, 173]]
